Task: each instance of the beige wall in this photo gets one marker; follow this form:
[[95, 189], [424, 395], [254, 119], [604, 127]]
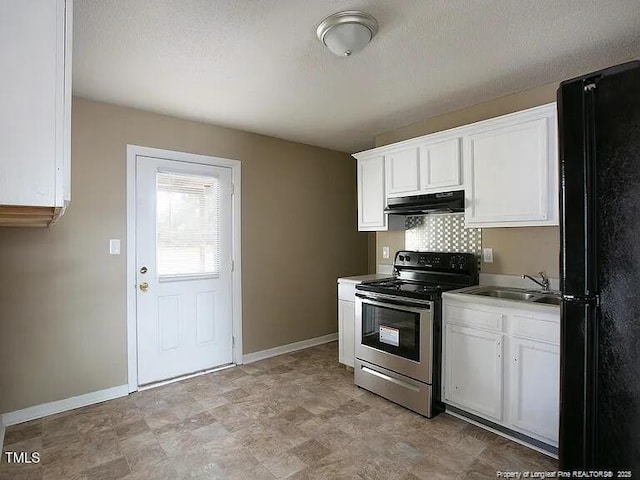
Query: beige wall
[[62, 297], [516, 250]]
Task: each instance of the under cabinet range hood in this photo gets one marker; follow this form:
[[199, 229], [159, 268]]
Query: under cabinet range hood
[[445, 202]]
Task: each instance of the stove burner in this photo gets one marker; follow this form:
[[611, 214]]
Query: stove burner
[[425, 275]]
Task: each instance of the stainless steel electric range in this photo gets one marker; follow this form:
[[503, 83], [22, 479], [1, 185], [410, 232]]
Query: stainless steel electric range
[[399, 324]]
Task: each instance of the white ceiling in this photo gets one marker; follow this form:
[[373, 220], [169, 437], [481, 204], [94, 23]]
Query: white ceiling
[[256, 65]]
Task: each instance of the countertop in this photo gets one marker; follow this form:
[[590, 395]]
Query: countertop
[[461, 295], [363, 278]]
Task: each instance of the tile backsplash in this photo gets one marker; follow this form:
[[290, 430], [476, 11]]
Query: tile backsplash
[[442, 233]]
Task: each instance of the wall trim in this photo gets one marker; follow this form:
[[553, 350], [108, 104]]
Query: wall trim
[[291, 347], [236, 248], [2, 430], [51, 408]]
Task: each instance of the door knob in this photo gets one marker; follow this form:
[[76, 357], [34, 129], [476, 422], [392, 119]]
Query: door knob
[[144, 286]]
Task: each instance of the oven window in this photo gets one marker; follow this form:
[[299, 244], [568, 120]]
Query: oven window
[[392, 330]]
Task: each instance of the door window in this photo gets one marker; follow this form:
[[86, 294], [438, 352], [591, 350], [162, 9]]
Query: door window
[[187, 225]]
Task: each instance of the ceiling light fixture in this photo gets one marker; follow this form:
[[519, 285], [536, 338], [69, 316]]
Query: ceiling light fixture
[[346, 33]]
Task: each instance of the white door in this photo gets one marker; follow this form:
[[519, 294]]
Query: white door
[[183, 268], [473, 370]]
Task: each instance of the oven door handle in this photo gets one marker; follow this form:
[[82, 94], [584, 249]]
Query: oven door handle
[[416, 307]]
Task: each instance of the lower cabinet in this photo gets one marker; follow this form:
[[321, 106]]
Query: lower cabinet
[[346, 332], [507, 372], [346, 320], [473, 370], [535, 387]]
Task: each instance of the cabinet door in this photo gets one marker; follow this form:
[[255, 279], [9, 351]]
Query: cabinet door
[[473, 370], [371, 197], [511, 173], [535, 387], [346, 332], [440, 165], [402, 172], [35, 53]]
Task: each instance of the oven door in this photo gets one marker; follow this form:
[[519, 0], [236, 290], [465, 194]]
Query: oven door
[[395, 333]]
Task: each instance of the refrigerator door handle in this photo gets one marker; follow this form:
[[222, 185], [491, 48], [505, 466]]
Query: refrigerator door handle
[[585, 299]]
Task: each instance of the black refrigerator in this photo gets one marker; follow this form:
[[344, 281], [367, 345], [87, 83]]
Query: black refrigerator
[[599, 134]]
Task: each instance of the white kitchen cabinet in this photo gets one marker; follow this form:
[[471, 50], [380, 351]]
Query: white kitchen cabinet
[[511, 170], [346, 332], [371, 194], [347, 317], [431, 166], [440, 166], [35, 129], [534, 387], [372, 199], [520, 391], [401, 170], [508, 167], [473, 370]]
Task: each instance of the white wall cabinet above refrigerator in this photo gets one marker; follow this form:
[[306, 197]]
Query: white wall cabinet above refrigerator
[[35, 126], [511, 170], [506, 165]]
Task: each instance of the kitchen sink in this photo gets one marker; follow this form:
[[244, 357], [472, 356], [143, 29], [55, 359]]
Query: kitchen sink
[[549, 300], [517, 294], [507, 294]]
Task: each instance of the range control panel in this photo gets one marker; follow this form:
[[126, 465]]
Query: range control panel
[[440, 261]]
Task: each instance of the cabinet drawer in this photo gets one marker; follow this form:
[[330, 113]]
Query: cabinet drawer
[[347, 291], [534, 328], [473, 318]]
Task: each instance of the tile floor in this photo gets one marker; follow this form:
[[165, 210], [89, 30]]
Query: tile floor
[[295, 416]]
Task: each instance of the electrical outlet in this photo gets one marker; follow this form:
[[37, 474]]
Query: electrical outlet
[[385, 252], [487, 255]]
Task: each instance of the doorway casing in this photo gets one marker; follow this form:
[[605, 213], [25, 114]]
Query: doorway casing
[[134, 151]]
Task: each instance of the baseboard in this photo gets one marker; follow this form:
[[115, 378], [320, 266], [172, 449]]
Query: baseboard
[[1, 435], [291, 347], [532, 443], [51, 408]]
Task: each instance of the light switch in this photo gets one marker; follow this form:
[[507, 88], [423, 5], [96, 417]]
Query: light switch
[[487, 255], [114, 246], [385, 252]]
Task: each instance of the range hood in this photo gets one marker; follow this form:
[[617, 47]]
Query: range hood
[[445, 202]]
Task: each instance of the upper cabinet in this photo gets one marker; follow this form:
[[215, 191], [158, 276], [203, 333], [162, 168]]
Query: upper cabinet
[[371, 197], [440, 166], [511, 170], [427, 167], [401, 168], [35, 127], [508, 167]]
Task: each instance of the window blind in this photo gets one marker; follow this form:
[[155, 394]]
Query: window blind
[[187, 224]]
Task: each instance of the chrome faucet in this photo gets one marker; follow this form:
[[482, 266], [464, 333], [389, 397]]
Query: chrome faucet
[[544, 283]]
